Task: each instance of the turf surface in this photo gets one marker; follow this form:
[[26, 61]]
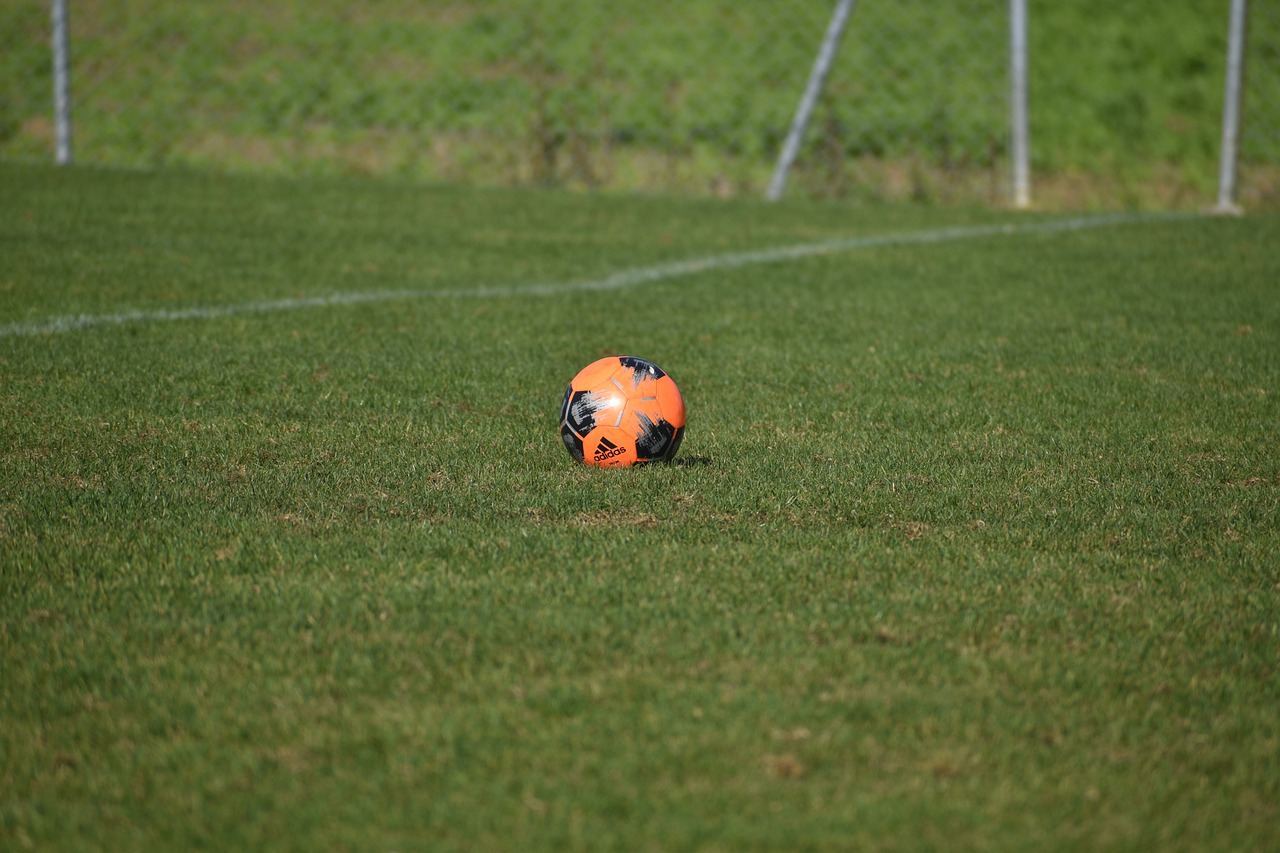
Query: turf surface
[[968, 544]]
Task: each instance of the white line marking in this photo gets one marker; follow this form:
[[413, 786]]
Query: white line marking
[[615, 281]]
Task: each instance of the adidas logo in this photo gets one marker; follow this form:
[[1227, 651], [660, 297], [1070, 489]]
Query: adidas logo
[[606, 449]]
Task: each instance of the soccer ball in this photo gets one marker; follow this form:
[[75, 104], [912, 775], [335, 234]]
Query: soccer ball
[[620, 411]]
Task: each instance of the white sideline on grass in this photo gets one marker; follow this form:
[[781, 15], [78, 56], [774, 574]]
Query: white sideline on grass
[[616, 281]]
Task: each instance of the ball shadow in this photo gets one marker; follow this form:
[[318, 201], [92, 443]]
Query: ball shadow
[[696, 461]]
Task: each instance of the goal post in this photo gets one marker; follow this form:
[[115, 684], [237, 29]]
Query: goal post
[[817, 79], [1231, 110], [1019, 124], [61, 44]]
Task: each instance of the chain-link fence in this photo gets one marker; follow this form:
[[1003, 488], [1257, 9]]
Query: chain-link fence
[[690, 96]]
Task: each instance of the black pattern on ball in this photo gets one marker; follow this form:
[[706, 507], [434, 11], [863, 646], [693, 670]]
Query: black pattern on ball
[[572, 442], [642, 367], [579, 411], [657, 442]]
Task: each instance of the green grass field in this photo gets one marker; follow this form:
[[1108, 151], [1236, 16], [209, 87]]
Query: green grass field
[[971, 543]]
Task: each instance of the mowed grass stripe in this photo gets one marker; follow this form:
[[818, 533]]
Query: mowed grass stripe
[[620, 280]]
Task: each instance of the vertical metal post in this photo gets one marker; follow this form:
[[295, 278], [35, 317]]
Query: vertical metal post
[[1231, 110], [1018, 124], [61, 82], [817, 79]]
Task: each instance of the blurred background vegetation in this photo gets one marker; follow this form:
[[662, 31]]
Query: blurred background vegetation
[[685, 96]]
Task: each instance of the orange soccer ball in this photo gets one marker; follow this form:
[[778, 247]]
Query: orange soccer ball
[[620, 411]]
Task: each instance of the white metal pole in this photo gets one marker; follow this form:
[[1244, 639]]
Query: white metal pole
[[817, 78], [1231, 110], [1019, 126], [61, 83]]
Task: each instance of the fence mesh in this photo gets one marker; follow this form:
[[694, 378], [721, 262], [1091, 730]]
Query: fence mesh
[[690, 96]]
